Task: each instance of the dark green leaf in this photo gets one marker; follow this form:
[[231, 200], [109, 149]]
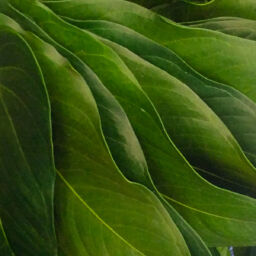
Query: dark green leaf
[[98, 211], [216, 95], [206, 207], [26, 165], [109, 110], [195, 46], [196, 130]]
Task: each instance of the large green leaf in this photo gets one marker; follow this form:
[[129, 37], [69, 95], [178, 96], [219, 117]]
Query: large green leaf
[[115, 217], [226, 102], [120, 138], [183, 11], [127, 151], [214, 94], [196, 46], [195, 129], [26, 166], [210, 210], [128, 154]]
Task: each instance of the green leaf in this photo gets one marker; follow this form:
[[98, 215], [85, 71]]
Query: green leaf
[[97, 210], [127, 151], [228, 112], [195, 46], [192, 125], [26, 165], [216, 95], [109, 111], [206, 207]]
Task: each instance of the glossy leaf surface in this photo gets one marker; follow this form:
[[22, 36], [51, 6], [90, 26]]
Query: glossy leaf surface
[[26, 166], [195, 46], [216, 95], [115, 216], [133, 99], [174, 182], [120, 137]]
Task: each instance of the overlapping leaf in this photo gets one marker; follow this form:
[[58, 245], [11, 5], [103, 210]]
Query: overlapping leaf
[[196, 46], [189, 197], [226, 102], [26, 165], [109, 108], [114, 216], [99, 212], [195, 129]]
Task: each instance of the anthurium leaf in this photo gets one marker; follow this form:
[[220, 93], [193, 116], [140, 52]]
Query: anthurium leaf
[[216, 95], [192, 125], [240, 27], [127, 152], [184, 11], [4, 244], [210, 210], [129, 220], [26, 166], [110, 110], [195, 46]]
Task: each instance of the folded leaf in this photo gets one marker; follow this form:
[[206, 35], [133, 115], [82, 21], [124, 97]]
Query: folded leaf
[[192, 125], [216, 96], [98, 211], [26, 166], [110, 110], [195, 46], [206, 207]]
